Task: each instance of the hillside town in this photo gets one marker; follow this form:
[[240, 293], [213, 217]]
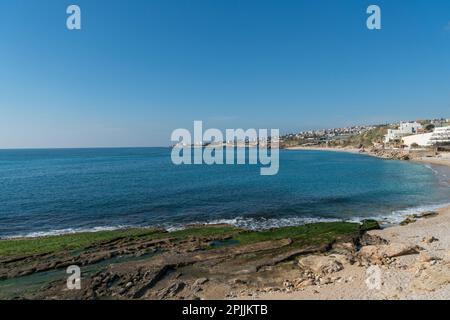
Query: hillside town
[[405, 135]]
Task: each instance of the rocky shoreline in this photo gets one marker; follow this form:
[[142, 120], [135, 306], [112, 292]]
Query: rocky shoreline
[[428, 156], [316, 261], [412, 262], [204, 262]]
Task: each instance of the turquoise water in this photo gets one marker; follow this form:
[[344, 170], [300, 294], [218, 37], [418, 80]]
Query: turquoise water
[[57, 191]]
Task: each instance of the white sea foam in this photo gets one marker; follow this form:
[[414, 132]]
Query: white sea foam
[[58, 232], [256, 223], [259, 223], [399, 215], [441, 173], [267, 223]]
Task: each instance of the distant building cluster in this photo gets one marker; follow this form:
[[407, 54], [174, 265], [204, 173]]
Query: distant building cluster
[[406, 134], [316, 136]]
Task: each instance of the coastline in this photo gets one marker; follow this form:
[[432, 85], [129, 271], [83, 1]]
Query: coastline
[[236, 221], [315, 261], [324, 260], [419, 269], [442, 159], [331, 149]]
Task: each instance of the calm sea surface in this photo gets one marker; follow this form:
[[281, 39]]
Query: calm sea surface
[[58, 191]]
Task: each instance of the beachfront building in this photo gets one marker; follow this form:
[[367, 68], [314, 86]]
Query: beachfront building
[[405, 129], [439, 136]]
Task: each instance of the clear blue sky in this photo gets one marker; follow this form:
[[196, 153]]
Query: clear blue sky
[[139, 69]]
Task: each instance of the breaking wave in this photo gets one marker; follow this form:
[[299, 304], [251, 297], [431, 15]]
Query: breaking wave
[[259, 223]]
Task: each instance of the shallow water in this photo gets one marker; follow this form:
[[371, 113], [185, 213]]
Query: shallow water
[[65, 190], [16, 287]]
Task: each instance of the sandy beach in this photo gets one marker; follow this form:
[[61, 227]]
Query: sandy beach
[[413, 261], [420, 271], [442, 159], [334, 149]]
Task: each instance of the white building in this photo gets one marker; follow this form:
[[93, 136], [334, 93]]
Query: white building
[[439, 135], [422, 140], [405, 129]]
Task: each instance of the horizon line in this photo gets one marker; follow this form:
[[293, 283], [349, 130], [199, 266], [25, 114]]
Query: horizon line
[[73, 148]]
